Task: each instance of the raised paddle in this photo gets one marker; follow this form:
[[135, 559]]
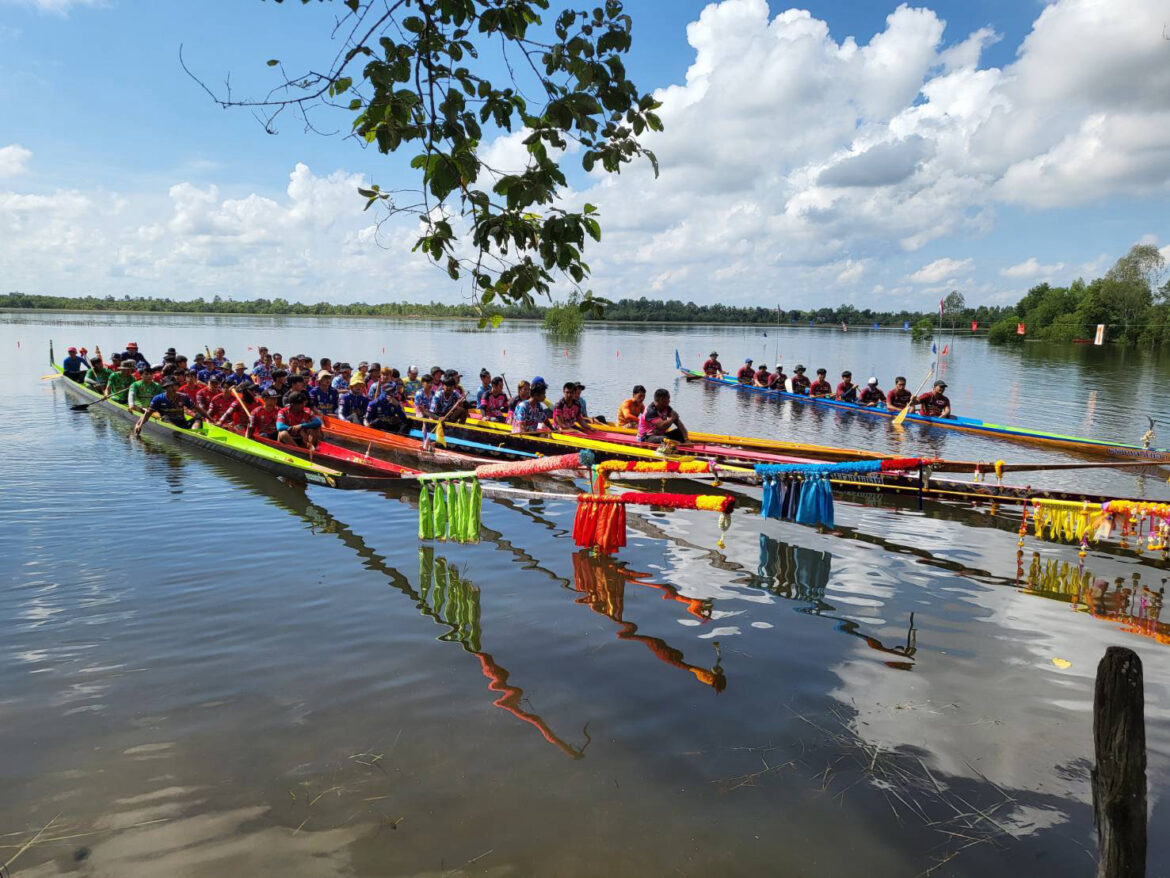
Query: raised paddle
[[902, 414]]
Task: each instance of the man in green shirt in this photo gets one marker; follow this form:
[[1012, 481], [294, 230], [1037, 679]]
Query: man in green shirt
[[144, 390], [118, 384], [98, 374]]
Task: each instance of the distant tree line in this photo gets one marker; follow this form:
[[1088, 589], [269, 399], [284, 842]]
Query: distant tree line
[[1128, 300]]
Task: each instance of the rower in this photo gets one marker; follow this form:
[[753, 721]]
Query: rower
[[73, 366], [872, 395], [239, 375], [531, 413], [779, 379], [630, 410], [219, 357], [494, 405], [296, 384], [746, 372], [422, 396], [232, 406], [384, 413], [171, 406], [118, 384], [821, 387], [144, 389], [580, 400], [447, 404], [217, 400], [341, 377], [800, 382], [261, 354], [660, 422], [413, 385], [373, 379], [847, 390], [131, 353], [262, 419], [762, 378], [323, 397], [485, 387], [188, 384], [567, 412], [936, 404], [98, 374], [279, 383], [712, 368], [354, 402], [523, 392], [898, 398], [296, 425]]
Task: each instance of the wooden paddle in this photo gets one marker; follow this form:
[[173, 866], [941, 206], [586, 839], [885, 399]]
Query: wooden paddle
[[902, 414]]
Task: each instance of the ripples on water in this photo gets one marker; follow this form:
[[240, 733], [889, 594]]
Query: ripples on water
[[207, 672]]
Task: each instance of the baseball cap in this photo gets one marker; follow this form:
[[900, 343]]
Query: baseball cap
[[169, 382], [72, 350], [748, 360], [270, 393], [713, 354], [127, 364], [324, 373], [940, 383], [872, 380]]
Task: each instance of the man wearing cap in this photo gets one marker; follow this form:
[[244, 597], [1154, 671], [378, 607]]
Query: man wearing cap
[[779, 379], [118, 384], [447, 404], [98, 374], [171, 406], [847, 390], [352, 404], [712, 368], [898, 398], [872, 395], [746, 372], [763, 377], [821, 387], [238, 376], [800, 382], [74, 366], [412, 385], [131, 353], [323, 397], [297, 425], [935, 404], [262, 419]]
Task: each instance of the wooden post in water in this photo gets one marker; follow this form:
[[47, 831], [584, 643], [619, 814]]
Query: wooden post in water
[[1119, 769]]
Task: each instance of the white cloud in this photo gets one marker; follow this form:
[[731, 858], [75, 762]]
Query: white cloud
[[851, 272], [14, 160], [56, 7], [942, 269], [1030, 268]]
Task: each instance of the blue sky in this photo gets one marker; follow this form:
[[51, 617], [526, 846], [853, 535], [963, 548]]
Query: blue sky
[[119, 175]]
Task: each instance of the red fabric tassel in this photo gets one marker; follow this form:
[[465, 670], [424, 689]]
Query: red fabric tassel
[[600, 522], [902, 463]]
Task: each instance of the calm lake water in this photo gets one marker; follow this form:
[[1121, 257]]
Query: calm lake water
[[206, 672]]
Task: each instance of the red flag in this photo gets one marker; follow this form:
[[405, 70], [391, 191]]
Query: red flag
[[1019, 329], [940, 307], [974, 325], [946, 348]]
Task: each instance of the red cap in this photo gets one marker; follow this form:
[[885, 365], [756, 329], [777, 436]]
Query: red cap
[[72, 350], [133, 345]]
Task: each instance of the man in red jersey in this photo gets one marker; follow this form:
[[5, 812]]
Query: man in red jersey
[[847, 390], [712, 368], [898, 398], [263, 417], [297, 425], [936, 404], [821, 387], [872, 395], [762, 378], [746, 372], [800, 382]]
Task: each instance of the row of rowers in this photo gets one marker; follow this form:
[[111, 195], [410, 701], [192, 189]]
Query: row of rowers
[[934, 403], [287, 404]]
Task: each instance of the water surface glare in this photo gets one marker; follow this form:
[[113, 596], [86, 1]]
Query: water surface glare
[[207, 672]]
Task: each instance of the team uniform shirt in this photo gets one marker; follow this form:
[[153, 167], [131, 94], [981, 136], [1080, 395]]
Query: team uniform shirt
[[515, 401], [745, 374], [567, 412], [172, 412], [221, 403], [385, 408], [264, 420], [820, 387], [290, 417], [650, 422], [480, 394], [235, 378], [494, 406], [712, 367], [441, 402], [96, 377], [871, 396], [529, 414], [119, 385], [899, 399], [144, 390], [192, 390], [422, 400], [847, 392], [280, 391], [353, 405], [629, 412], [933, 403], [779, 380], [801, 384], [324, 399], [411, 387], [762, 378], [340, 383], [261, 373]]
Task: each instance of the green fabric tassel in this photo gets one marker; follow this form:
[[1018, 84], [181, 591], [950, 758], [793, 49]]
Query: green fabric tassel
[[475, 510], [426, 524], [440, 516], [426, 563], [458, 511]]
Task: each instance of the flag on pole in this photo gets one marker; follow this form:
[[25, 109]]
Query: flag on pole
[[940, 307], [905, 324], [974, 325], [1019, 329], [875, 326], [946, 349], [1099, 338], [933, 348]]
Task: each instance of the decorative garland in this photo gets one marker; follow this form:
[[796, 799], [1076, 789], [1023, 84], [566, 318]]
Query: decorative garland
[[509, 469], [646, 466]]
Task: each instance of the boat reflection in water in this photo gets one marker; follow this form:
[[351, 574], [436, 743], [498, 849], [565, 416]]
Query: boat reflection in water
[[799, 574], [602, 583], [1135, 605]]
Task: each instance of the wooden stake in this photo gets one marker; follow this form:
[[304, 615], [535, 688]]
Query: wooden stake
[[1119, 771]]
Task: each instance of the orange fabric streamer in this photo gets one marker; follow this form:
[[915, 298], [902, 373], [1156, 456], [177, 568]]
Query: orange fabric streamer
[[600, 522]]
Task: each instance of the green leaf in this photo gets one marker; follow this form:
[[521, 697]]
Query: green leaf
[[496, 320]]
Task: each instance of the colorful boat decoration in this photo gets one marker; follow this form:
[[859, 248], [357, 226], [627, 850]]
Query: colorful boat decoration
[[1084, 445]]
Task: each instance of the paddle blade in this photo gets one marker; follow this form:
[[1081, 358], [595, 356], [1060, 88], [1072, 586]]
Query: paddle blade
[[51, 377], [902, 416], [440, 436]]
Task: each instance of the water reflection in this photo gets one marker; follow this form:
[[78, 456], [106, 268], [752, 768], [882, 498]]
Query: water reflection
[[799, 574]]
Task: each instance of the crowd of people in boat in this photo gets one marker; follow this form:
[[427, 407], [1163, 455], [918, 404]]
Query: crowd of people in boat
[[287, 400], [934, 404]]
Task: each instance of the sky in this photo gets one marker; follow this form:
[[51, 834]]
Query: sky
[[846, 151]]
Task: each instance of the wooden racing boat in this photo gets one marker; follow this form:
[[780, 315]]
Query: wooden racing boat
[[328, 454], [1095, 447]]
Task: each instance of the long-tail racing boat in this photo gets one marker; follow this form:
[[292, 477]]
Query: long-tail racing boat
[[1096, 447], [227, 444], [326, 453]]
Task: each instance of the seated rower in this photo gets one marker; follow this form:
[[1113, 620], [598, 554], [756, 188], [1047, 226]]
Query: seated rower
[[567, 412], [296, 425], [232, 406], [494, 405], [189, 385], [384, 413], [279, 383], [172, 407], [660, 422], [847, 390], [762, 378], [936, 404], [412, 385], [580, 400], [296, 384], [448, 405], [531, 413], [118, 384], [821, 387], [523, 392], [353, 403], [74, 366], [898, 398], [238, 376], [485, 387], [421, 400], [712, 368], [630, 410], [132, 353], [98, 374], [144, 389], [746, 372], [323, 397], [800, 383], [872, 395], [262, 419], [779, 379]]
